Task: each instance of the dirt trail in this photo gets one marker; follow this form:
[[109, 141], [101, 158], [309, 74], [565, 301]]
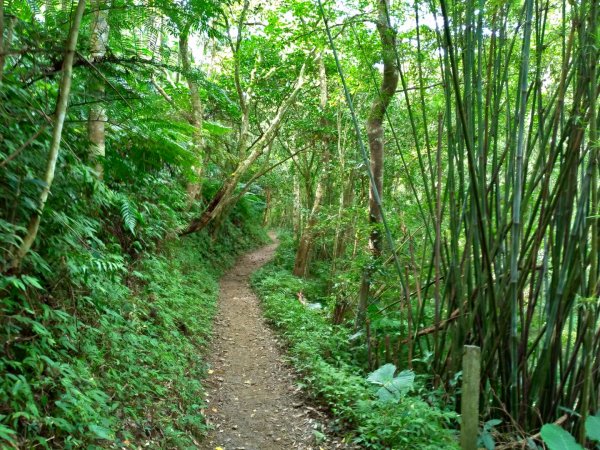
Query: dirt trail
[[252, 401]]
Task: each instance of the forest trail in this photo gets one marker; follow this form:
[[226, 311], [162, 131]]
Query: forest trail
[[252, 401]]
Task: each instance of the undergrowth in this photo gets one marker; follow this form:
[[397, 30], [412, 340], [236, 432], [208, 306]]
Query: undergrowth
[[103, 333], [322, 353]]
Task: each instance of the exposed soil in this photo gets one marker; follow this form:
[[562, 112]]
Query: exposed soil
[[253, 403]]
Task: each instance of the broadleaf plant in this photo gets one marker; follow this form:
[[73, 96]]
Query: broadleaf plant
[[556, 438], [391, 387]]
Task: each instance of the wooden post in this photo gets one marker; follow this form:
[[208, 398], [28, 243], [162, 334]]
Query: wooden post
[[469, 426]]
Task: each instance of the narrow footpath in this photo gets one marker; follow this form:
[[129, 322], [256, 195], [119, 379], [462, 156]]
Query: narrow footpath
[[253, 403]]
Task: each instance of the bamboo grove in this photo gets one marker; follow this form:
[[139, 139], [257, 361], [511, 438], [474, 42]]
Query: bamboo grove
[[494, 148], [521, 194]]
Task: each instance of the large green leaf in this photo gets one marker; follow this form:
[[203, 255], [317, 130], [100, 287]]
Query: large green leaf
[[557, 438], [391, 387], [383, 375], [592, 428], [404, 381]]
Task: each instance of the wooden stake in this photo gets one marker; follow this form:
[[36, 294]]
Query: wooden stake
[[470, 397]]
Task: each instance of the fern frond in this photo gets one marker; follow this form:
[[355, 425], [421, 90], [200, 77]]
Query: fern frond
[[128, 214]]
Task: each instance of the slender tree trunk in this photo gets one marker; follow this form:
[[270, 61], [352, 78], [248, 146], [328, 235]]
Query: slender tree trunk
[[59, 120], [438, 241], [591, 312], [389, 83], [225, 198], [307, 238], [297, 213], [7, 25], [266, 214], [5, 42], [97, 115], [194, 189]]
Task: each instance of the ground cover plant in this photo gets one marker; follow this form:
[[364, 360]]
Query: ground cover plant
[[326, 359], [122, 363]]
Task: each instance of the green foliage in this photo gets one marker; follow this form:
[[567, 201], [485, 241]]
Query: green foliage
[[485, 438], [494, 230], [103, 327], [133, 347], [323, 354], [490, 196], [592, 428], [557, 438], [392, 387]]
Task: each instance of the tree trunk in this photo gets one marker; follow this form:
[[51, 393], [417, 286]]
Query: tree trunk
[[379, 107], [194, 189], [297, 212], [225, 197], [59, 120], [266, 214], [5, 42], [97, 115], [307, 238]]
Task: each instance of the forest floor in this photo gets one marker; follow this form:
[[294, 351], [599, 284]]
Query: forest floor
[[253, 403]]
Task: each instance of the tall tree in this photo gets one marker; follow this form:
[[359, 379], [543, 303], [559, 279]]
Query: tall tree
[[307, 237], [196, 116], [59, 120], [387, 37], [97, 115]]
